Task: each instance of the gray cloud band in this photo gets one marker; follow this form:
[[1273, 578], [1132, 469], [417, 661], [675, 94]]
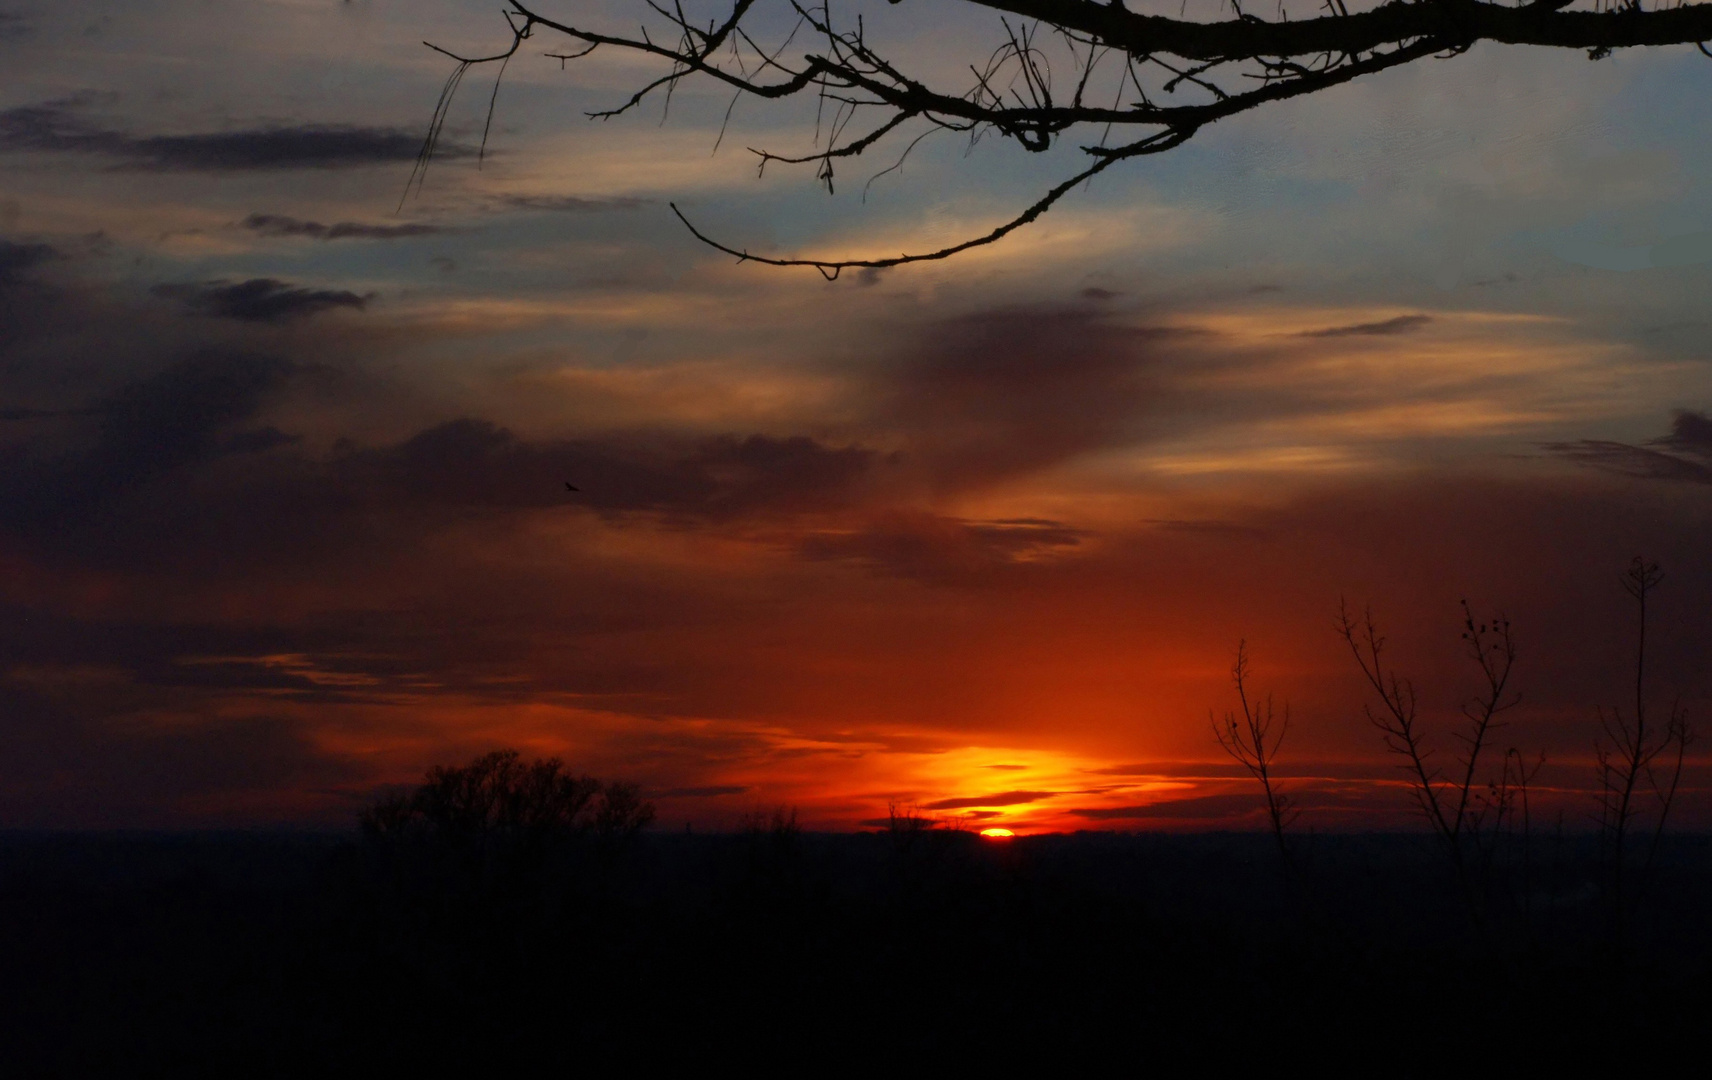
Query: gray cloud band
[[62, 127]]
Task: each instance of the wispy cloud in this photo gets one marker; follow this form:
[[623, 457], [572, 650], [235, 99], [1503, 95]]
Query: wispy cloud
[[706, 791], [259, 299], [1684, 455], [570, 204], [1402, 324], [1001, 798], [939, 547], [1195, 808], [281, 225], [62, 127]]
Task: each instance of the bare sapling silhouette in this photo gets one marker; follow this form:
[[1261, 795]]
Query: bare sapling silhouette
[[1156, 80], [1253, 741], [1638, 761], [1469, 815]]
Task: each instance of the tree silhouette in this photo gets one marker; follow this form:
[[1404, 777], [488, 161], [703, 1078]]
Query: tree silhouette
[[1635, 756], [500, 795], [1253, 741], [1469, 815], [1158, 79]]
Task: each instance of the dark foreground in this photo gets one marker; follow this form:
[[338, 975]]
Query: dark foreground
[[279, 955]]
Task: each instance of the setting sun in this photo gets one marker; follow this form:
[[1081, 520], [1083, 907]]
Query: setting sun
[[997, 834]]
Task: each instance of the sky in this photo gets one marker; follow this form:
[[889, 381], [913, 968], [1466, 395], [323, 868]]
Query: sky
[[284, 442]]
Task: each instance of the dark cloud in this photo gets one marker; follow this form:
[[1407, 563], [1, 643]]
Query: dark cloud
[[993, 395], [711, 791], [164, 660], [242, 673], [281, 225], [63, 765], [15, 27], [1402, 324], [477, 463], [792, 473], [930, 546], [571, 204], [1096, 293], [1636, 461], [1230, 529], [1691, 432], [1205, 807], [259, 299], [177, 417], [1365, 794], [179, 469], [174, 417], [103, 722], [1002, 798], [17, 260], [61, 127], [888, 823], [1691, 435], [306, 146]]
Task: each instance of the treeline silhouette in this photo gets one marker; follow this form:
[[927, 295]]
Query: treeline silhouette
[[489, 951]]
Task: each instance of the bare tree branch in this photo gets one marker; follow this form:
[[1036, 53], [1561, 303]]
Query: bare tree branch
[[1012, 93]]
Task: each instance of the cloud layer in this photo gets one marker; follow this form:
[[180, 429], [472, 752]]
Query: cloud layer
[[211, 552], [285, 506]]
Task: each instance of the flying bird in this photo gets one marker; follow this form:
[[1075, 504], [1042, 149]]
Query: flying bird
[[570, 487]]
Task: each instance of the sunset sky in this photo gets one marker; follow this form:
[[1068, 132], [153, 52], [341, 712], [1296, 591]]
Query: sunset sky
[[283, 516]]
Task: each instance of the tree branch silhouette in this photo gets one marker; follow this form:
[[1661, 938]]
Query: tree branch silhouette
[[1232, 65]]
